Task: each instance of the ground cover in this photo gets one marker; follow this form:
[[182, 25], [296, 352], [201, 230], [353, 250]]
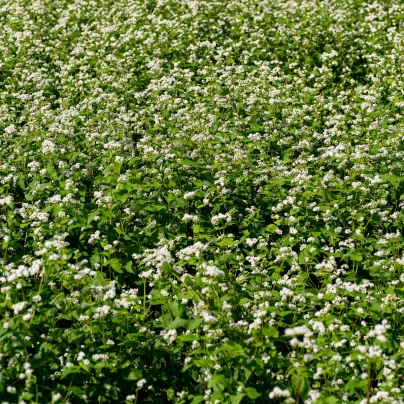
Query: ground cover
[[201, 201]]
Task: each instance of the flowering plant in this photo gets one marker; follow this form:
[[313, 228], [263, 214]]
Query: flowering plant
[[201, 201]]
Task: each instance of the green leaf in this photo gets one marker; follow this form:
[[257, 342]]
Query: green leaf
[[115, 264], [196, 228], [45, 185], [92, 215], [178, 322], [272, 228], [392, 179], [229, 60], [247, 372], [270, 331], [133, 375], [218, 381], [197, 400], [68, 371], [165, 319], [176, 308], [77, 391], [122, 197], [167, 268], [26, 396], [332, 400], [233, 349], [195, 323], [301, 383], [237, 398], [75, 338], [356, 384], [128, 267], [252, 393], [84, 367], [21, 183], [227, 242], [399, 292], [100, 365], [56, 209], [188, 281], [355, 257]]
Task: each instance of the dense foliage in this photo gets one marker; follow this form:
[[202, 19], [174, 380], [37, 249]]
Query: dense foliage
[[201, 201]]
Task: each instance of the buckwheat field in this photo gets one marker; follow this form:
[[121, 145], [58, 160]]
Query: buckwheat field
[[201, 201]]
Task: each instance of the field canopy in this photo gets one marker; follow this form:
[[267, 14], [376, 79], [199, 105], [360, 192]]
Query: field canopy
[[201, 201]]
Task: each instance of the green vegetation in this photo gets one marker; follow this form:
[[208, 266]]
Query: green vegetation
[[201, 201]]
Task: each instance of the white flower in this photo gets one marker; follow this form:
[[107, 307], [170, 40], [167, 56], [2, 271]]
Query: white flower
[[221, 216], [208, 318], [18, 307], [6, 200], [296, 331], [101, 312], [277, 392], [48, 147], [188, 195], [56, 397], [211, 270], [193, 250], [98, 357], [141, 383], [80, 356], [251, 241], [187, 218]]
